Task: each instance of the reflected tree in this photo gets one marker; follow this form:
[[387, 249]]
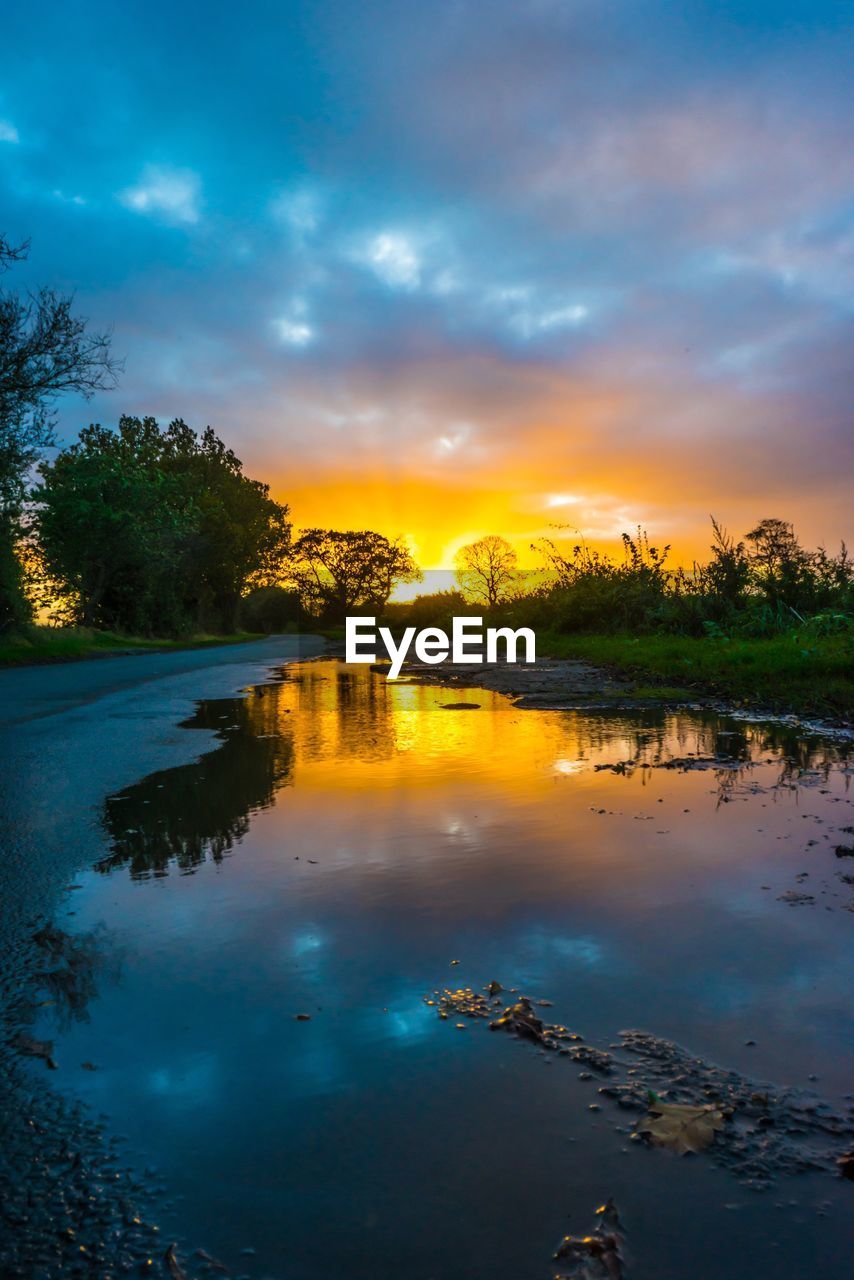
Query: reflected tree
[[200, 811]]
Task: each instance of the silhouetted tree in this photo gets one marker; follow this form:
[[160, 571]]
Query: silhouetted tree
[[340, 571], [779, 563], [45, 351], [486, 570]]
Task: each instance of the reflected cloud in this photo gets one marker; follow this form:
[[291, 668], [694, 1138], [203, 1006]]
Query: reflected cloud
[[194, 1082], [584, 951]]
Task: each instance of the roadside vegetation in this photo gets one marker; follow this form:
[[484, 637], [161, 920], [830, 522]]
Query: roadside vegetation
[[787, 672], [763, 620], [65, 644]]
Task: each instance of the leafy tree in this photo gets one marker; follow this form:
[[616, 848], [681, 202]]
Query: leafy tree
[[241, 538], [780, 565], [155, 531], [338, 572], [486, 570], [46, 351]]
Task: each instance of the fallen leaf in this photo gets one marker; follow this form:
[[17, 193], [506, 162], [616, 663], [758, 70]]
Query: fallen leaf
[[684, 1128]]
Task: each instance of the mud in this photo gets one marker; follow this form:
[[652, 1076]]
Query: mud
[[771, 1132]]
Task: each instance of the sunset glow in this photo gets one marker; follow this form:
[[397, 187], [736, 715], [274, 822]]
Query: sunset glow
[[458, 272]]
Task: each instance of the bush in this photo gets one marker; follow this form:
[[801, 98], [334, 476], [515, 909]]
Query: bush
[[270, 609], [434, 610]]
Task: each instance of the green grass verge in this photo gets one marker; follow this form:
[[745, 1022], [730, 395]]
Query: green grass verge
[[64, 644], [814, 676]]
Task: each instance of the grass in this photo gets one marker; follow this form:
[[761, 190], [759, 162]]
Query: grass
[[65, 644], [787, 673]]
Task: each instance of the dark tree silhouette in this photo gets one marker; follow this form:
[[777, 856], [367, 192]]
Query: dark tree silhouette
[[486, 570], [46, 351], [337, 572]]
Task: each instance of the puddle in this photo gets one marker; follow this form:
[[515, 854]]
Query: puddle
[[273, 916]]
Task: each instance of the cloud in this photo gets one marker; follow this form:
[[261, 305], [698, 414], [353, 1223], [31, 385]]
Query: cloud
[[296, 333], [299, 210], [561, 500], [8, 132], [529, 323], [66, 199], [393, 260], [292, 327], [172, 194], [453, 440]]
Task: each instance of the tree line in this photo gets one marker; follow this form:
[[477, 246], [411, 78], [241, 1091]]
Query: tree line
[[763, 584], [144, 529]]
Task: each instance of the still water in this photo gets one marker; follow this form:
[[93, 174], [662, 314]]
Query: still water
[[345, 844]]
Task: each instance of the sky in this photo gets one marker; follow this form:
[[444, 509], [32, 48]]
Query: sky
[[452, 268]]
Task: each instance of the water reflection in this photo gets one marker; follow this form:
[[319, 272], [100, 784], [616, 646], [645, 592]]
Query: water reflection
[[380, 734], [627, 867], [186, 815]]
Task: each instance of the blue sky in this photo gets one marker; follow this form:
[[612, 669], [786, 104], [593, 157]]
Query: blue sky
[[457, 268]]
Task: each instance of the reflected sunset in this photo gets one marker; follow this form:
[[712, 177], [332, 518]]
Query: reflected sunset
[[288, 907]]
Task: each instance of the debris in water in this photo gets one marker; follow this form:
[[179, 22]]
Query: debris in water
[[684, 1128], [213, 1263], [774, 1132], [598, 1256], [769, 1132], [173, 1266], [520, 1019]]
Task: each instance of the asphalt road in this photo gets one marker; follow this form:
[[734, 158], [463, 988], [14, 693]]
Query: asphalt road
[[73, 733]]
